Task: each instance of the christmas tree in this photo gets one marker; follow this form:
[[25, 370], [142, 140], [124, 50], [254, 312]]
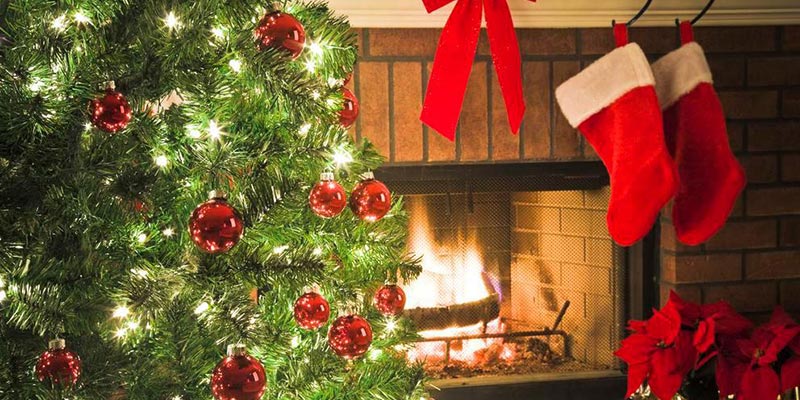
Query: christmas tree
[[117, 118]]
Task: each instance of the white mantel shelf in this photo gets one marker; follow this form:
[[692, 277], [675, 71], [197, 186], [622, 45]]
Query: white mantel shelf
[[576, 13]]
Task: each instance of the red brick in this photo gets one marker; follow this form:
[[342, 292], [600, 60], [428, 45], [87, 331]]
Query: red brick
[[505, 144], [791, 103], [403, 42], [744, 297], [736, 136], [652, 40], [439, 147], [536, 125], [750, 104], [736, 39], [669, 240], [789, 298], [566, 142], [738, 208], [407, 100], [773, 201], [772, 265], [474, 129], [701, 268], [727, 72], [690, 293], [790, 231], [791, 38], [790, 167], [745, 235], [773, 71], [374, 100], [773, 136], [760, 168]]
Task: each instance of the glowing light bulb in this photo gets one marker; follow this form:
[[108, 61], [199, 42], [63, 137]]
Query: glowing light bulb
[[375, 353], [2, 283], [314, 48], [121, 332], [236, 65], [139, 272], [87, 126], [2, 295], [132, 325], [121, 312], [201, 308], [218, 33], [342, 157], [162, 161], [214, 131], [391, 325], [81, 18], [304, 129], [317, 251], [171, 21], [295, 342], [311, 66], [36, 85], [280, 249], [316, 95], [59, 23], [142, 238], [168, 232], [193, 132]]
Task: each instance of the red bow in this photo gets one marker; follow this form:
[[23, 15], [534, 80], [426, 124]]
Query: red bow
[[454, 57]]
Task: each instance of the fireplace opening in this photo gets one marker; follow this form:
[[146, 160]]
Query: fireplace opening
[[520, 275]]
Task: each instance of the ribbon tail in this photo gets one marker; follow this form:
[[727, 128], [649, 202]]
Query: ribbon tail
[[433, 5], [506, 58], [451, 68]]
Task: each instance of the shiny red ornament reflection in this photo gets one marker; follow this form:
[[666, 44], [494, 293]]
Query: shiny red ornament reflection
[[370, 199], [390, 300], [215, 226], [238, 377], [111, 112], [350, 336], [327, 198], [281, 31], [58, 366], [349, 112], [311, 311]]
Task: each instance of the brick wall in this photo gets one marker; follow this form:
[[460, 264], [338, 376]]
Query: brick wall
[[754, 262]]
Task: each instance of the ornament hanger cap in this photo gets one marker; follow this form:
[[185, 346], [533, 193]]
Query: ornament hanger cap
[[110, 85], [58, 344], [326, 176], [238, 349], [368, 176], [217, 195]]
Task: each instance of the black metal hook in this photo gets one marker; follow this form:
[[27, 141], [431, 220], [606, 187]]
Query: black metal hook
[[698, 17], [638, 15]]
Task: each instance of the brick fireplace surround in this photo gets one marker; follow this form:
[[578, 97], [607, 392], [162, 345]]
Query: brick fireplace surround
[[754, 262]]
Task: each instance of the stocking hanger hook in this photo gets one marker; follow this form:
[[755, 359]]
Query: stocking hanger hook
[[638, 15], [698, 17]]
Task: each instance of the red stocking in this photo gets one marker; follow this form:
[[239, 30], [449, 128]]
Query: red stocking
[[694, 124], [613, 103]]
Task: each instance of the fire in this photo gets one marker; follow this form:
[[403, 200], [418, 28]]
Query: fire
[[450, 276]]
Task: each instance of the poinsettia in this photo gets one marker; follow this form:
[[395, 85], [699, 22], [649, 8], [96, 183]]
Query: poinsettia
[[707, 321], [790, 371], [745, 365], [659, 352]]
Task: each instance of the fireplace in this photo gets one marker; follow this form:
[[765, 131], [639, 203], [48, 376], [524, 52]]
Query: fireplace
[[520, 276]]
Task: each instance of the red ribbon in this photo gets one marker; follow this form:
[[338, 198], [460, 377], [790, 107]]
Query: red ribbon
[[455, 55]]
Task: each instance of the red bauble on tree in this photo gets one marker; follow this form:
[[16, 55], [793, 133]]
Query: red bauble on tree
[[215, 226], [311, 311], [350, 336], [327, 198], [58, 366], [238, 376], [283, 31], [110, 112], [390, 300], [370, 199], [350, 108]]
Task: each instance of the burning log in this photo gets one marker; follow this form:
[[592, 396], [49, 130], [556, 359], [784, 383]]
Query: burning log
[[464, 314]]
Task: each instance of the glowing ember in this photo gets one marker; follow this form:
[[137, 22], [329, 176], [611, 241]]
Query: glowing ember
[[451, 276]]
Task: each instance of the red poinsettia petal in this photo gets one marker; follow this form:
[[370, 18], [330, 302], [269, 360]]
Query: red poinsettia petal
[[664, 379], [637, 373], [685, 352], [636, 349], [729, 372], [727, 320], [795, 345], [637, 326], [759, 383], [664, 324], [704, 336], [690, 312], [783, 330], [790, 374]]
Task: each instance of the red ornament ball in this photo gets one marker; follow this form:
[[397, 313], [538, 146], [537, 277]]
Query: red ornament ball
[[58, 365], [215, 226], [238, 376], [111, 112], [281, 31], [390, 300], [327, 198], [349, 112], [350, 336], [370, 199], [311, 311]]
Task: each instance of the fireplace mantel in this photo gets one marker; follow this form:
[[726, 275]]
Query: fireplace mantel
[[575, 13]]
